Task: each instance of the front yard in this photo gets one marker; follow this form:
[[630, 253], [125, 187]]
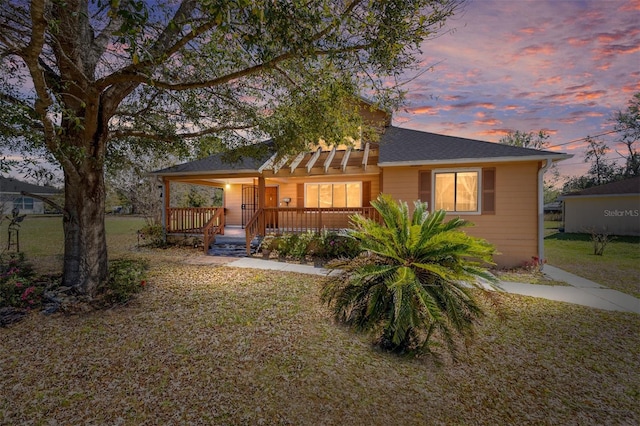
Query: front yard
[[220, 345]]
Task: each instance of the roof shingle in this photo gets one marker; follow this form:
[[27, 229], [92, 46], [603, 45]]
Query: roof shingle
[[399, 145]]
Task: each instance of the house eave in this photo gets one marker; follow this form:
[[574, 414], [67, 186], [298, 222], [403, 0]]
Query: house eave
[[450, 161], [207, 172], [628, 194]]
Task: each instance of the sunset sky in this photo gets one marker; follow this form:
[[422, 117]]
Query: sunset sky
[[564, 66]]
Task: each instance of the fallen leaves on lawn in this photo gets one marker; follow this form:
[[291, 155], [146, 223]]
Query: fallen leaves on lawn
[[218, 345]]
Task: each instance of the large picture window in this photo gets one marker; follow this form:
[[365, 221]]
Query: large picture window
[[325, 195], [456, 191]]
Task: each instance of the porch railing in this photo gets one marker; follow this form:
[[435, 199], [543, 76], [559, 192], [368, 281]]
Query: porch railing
[[280, 220], [298, 219], [189, 219], [213, 227]]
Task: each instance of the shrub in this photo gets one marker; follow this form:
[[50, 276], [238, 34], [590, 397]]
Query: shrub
[[413, 280], [151, 235], [18, 288], [126, 278]]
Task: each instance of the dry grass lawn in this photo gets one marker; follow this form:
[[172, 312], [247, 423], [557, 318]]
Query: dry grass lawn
[[218, 345]]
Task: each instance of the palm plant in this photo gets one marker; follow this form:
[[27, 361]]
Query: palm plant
[[413, 279]]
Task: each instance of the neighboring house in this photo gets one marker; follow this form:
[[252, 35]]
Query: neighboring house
[[613, 208], [11, 196], [497, 187]]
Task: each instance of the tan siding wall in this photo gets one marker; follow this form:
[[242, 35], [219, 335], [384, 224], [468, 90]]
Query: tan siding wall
[[514, 227], [618, 215], [233, 195]]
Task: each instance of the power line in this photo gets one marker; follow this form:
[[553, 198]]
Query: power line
[[582, 139]]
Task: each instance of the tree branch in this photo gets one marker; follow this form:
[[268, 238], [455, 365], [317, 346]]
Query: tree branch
[[166, 138], [46, 200]]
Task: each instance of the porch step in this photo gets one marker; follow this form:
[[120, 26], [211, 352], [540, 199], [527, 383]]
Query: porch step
[[230, 248]]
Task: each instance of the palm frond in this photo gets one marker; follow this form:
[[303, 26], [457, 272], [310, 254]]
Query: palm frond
[[414, 280]]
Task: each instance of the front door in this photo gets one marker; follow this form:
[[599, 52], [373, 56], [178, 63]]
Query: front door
[[271, 200]]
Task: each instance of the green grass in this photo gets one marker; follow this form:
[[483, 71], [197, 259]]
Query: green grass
[[618, 268], [41, 239]]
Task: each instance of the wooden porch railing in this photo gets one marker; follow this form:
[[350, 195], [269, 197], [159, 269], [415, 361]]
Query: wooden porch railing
[[213, 227], [253, 228], [189, 219], [297, 219], [279, 220]]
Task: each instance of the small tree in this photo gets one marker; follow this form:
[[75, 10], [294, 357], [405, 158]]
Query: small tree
[[414, 280]]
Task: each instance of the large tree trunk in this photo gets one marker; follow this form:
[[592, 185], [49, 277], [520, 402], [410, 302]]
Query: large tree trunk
[[85, 244]]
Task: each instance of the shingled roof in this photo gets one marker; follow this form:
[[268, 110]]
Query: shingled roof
[[216, 162], [397, 147], [621, 187], [14, 186], [400, 146]]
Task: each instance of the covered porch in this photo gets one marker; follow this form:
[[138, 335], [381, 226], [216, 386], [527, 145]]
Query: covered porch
[[311, 192]]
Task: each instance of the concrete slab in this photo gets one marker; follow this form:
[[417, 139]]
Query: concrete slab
[[558, 274], [624, 301], [595, 298], [273, 265]]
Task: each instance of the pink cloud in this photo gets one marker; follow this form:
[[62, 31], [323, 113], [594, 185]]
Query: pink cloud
[[610, 37], [539, 49], [529, 30], [590, 96], [631, 6], [428, 110], [548, 80], [465, 105], [488, 122], [495, 132], [578, 42]]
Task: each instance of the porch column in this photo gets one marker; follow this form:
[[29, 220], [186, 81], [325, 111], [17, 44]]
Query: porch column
[[261, 199], [166, 187]]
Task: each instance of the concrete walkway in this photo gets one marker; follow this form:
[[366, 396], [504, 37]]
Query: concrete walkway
[[580, 291]]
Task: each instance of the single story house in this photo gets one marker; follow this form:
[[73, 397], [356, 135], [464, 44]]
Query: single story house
[[11, 196], [613, 208], [497, 187]]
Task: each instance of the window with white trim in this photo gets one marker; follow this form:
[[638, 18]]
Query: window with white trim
[[456, 191], [23, 203], [325, 195]]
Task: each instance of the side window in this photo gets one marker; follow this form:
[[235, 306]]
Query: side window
[[456, 191]]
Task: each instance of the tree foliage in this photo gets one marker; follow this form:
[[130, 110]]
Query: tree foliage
[[627, 124], [413, 281], [602, 168], [83, 82], [531, 140]]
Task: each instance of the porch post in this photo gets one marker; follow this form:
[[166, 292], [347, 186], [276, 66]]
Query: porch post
[[261, 197], [166, 185]]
